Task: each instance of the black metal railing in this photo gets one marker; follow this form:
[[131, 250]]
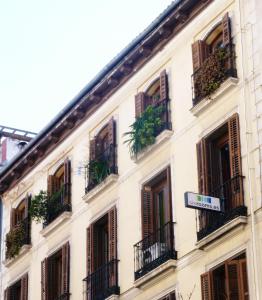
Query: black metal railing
[[219, 66], [18, 236], [103, 282], [57, 204], [65, 296], [154, 250], [99, 168], [231, 197]]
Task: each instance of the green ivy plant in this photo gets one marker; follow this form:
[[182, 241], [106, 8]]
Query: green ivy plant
[[14, 241], [144, 129], [98, 170]]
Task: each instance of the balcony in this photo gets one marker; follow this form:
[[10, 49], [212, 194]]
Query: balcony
[[17, 237], [154, 250], [217, 68], [57, 205], [103, 283], [232, 203], [101, 167]]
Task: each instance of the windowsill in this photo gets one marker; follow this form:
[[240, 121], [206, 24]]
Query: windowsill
[[155, 275], [56, 223], [203, 104], [112, 297], [239, 221], [108, 181], [160, 139], [24, 249]]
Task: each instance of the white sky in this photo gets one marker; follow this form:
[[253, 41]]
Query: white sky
[[50, 49]]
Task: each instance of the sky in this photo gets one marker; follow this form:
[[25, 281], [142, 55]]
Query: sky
[[50, 49]]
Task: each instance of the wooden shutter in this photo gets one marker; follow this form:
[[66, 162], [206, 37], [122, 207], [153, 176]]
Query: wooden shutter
[[24, 287], [140, 100], [51, 185], [92, 149], [163, 86], [235, 161], [67, 181], [199, 53], [202, 167], [243, 277], [112, 144], [27, 205], [112, 233], [44, 279], [226, 29], [169, 190], [232, 280], [206, 286], [147, 211], [12, 218], [65, 269], [7, 294], [90, 249]]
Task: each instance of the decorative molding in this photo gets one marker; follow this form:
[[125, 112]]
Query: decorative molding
[[56, 223], [206, 102]]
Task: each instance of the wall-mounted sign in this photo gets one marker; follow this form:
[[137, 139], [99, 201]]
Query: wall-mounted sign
[[202, 202]]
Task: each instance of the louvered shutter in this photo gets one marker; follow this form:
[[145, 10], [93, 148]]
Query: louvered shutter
[[140, 103], [199, 53], [7, 294], [92, 149], [226, 29], [27, 205], [232, 279], [112, 144], [147, 211], [65, 270], [206, 286], [163, 86], [24, 287], [51, 185], [44, 279], [244, 281], [235, 161], [112, 238], [90, 249], [67, 182], [12, 218], [169, 191]]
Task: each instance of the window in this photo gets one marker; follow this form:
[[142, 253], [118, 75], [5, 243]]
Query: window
[[55, 275], [220, 175], [102, 275], [157, 243], [59, 191], [226, 281], [102, 155], [170, 296], [213, 60], [20, 228], [18, 290]]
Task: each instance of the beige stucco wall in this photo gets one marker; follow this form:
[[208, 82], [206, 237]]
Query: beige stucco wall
[[179, 151]]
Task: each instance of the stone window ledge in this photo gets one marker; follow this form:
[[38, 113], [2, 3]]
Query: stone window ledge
[[107, 182], [160, 139], [56, 223], [239, 221], [227, 85], [112, 297], [155, 275], [24, 249]]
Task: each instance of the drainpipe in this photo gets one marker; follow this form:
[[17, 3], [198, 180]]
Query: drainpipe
[[246, 97]]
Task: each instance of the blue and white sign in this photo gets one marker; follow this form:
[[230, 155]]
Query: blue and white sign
[[202, 202]]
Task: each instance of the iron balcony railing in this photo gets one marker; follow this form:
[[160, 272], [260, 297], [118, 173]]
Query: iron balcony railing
[[63, 297], [18, 236], [232, 203], [154, 250], [219, 66], [99, 168], [103, 282], [57, 205]]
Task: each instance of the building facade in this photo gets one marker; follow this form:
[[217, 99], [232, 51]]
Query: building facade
[[94, 206]]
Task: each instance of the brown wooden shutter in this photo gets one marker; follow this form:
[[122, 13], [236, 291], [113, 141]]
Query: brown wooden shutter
[[243, 277], [67, 181], [232, 279], [27, 205], [202, 167], [199, 53], [92, 149], [226, 29], [112, 233], [206, 286], [112, 144], [147, 211], [24, 287], [7, 294], [12, 218], [169, 190], [51, 185], [44, 279], [90, 249], [65, 269], [140, 100], [163, 86]]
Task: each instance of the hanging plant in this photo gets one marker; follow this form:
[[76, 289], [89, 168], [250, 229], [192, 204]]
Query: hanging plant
[[14, 241], [144, 130]]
